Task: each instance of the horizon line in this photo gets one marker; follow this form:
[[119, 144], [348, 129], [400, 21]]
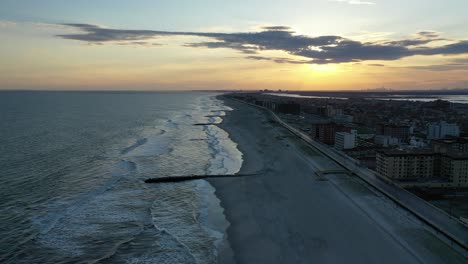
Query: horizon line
[[377, 90]]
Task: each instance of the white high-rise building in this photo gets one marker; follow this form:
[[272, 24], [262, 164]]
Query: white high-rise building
[[345, 140], [442, 130]]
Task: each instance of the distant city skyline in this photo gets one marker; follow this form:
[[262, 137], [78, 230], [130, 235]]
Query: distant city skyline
[[182, 45]]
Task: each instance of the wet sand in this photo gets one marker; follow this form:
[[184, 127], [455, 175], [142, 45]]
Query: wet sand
[[289, 215]]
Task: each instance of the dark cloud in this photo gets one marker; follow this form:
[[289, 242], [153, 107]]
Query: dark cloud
[[314, 50], [421, 38], [230, 45], [410, 42], [139, 43], [280, 60], [93, 33], [277, 28], [460, 47], [353, 51], [429, 34]]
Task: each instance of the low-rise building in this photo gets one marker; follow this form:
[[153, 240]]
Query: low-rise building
[[386, 141], [345, 140]]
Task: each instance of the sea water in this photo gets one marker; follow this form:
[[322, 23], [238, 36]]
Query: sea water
[[73, 165]]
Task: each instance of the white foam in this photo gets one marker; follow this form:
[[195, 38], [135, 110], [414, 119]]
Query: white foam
[[227, 159], [190, 211]]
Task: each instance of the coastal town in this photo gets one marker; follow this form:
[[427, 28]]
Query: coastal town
[[421, 146], [234, 132]]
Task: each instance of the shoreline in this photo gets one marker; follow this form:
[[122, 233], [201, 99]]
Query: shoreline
[[288, 216]]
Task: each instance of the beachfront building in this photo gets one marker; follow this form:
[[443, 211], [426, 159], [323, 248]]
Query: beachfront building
[[406, 165], [455, 167], [442, 130], [400, 131], [455, 145], [365, 154], [416, 168], [345, 140], [326, 132], [284, 107]]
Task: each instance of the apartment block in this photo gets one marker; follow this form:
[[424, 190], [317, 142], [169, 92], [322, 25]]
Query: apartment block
[[455, 166], [406, 165], [442, 130], [424, 168], [400, 131], [326, 132], [456, 145]]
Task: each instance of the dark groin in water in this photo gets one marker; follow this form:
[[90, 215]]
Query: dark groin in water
[[168, 179], [205, 124]]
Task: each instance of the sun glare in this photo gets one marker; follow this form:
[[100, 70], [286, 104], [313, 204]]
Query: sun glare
[[325, 68]]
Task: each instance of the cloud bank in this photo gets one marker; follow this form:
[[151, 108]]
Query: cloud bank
[[309, 50]]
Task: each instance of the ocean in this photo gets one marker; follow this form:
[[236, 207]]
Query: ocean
[[73, 166]]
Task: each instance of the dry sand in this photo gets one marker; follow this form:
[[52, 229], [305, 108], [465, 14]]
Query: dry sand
[[288, 215]]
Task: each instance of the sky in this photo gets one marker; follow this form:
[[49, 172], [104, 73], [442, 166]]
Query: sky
[[248, 45]]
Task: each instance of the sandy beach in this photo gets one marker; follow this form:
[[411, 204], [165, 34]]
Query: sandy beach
[[289, 215]]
